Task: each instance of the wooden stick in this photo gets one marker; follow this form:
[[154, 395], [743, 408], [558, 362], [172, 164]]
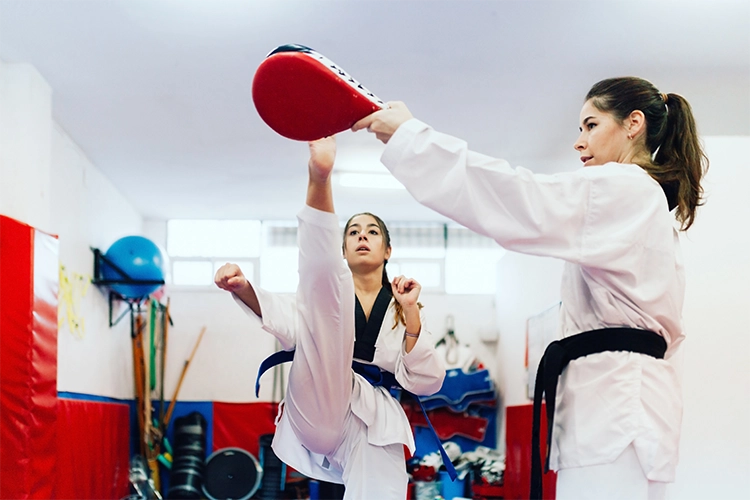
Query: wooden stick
[[182, 377], [137, 339], [164, 331]]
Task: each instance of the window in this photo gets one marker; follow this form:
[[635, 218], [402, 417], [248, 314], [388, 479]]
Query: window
[[418, 252], [429, 273], [213, 238], [192, 272], [443, 258], [279, 255], [197, 248], [470, 262], [417, 240]]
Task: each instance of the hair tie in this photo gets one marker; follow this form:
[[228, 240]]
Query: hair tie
[[664, 97]]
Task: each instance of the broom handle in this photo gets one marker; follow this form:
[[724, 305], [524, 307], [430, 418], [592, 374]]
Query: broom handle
[[182, 377]]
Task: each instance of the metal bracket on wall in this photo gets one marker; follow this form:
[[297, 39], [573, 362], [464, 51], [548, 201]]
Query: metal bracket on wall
[[134, 305]]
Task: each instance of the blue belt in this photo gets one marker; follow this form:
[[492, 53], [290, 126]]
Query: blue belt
[[374, 376]]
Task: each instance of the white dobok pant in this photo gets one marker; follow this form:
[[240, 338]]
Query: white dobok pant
[[622, 479]]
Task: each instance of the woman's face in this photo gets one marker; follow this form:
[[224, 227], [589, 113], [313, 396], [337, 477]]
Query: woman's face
[[364, 243], [603, 139]]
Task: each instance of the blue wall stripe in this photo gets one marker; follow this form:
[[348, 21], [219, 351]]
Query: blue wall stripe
[[91, 397]]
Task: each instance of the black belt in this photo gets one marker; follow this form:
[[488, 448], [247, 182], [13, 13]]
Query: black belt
[[556, 357]]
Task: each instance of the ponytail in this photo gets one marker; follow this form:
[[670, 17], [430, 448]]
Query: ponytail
[[680, 160], [676, 159], [399, 313]]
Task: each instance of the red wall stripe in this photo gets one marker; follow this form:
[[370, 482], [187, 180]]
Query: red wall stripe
[[240, 425]]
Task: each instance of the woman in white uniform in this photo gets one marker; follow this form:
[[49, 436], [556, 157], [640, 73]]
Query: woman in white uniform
[[618, 405], [334, 425]]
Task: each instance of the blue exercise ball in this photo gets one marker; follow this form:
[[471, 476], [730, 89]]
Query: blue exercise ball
[[140, 259]]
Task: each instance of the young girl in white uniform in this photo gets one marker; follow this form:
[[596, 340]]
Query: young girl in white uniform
[[618, 413], [333, 425]]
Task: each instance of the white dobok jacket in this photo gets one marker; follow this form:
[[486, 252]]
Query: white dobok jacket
[[612, 227], [421, 371]]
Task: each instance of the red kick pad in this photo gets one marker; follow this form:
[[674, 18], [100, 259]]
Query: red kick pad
[[448, 423], [304, 96], [28, 360]]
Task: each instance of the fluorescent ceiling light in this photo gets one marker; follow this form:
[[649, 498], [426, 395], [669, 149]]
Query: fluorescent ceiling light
[[368, 180], [360, 159]]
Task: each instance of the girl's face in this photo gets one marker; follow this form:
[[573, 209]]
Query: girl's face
[[603, 139], [364, 243]]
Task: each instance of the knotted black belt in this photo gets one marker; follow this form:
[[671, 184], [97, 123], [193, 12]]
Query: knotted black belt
[[556, 357]]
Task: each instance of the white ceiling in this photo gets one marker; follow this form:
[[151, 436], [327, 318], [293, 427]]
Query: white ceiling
[[157, 92]]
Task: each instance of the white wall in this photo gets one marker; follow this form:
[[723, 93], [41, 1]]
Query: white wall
[[715, 357], [715, 446], [89, 212], [25, 131], [526, 285]]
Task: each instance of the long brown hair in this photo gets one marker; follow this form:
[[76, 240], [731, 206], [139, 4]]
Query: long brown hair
[[677, 160], [399, 314]]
